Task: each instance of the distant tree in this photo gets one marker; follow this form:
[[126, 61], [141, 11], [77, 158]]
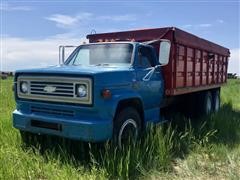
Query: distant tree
[[232, 75]]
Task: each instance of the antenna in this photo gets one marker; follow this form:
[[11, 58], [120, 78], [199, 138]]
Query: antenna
[[93, 31]]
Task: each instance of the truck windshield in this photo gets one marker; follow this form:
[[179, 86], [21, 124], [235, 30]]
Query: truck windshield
[[101, 54]]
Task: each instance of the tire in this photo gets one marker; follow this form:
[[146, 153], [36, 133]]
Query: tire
[[190, 106], [127, 125], [216, 100], [206, 103]]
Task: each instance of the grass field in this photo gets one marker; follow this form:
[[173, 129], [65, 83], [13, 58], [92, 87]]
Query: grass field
[[185, 149]]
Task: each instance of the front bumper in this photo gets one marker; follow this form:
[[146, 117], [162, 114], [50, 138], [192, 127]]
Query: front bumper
[[81, 129]]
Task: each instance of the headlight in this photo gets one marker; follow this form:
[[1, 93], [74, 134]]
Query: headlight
[[81, 90], [24, 87]]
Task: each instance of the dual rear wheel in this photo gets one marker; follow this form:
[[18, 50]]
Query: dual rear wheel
[[209, 101]]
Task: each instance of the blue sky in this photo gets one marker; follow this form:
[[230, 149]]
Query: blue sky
[[39, 27]]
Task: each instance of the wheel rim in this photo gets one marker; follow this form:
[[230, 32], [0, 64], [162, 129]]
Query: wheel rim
[[209, 105], [125, 129]]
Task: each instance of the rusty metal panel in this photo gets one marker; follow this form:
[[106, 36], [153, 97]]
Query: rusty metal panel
[[180, 66], [189, 70], [204, 69], [197, 67]]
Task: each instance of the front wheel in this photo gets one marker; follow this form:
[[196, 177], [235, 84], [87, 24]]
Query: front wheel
[[127, 126]]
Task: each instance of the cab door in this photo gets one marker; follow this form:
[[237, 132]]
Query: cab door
[[151, 90]]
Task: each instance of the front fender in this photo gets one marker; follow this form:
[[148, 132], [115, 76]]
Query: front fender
[[110, 105]]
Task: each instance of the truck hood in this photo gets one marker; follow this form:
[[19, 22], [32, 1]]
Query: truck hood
[[79, 70], [118, 75]]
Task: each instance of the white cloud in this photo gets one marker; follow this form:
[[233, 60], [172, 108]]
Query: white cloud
[[126, 17], [197, 26], [204, 25], [7, 7], [84, 16], [234, 61], [187, 26], [220, 21], [67, 21], [63, 20], [19, 53]]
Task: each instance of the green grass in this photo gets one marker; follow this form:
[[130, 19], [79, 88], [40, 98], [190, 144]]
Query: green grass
[[184, 149]]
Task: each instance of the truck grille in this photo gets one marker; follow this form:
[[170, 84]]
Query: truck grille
[[55, 89], [62, 89]]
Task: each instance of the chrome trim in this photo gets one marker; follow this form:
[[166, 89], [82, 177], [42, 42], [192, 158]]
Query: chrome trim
[[67, 92]]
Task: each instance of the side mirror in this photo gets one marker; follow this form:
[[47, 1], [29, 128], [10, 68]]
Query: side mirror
[[164, 51]]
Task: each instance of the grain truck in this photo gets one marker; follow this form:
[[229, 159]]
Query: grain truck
[[113, 86]]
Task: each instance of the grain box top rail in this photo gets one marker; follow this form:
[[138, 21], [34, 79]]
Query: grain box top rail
[[174, 34]]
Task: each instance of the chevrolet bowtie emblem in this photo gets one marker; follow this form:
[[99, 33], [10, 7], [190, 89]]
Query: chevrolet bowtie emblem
[[49, 89]]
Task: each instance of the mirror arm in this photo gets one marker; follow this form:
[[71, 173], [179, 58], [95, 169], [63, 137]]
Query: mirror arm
[[148, 76]]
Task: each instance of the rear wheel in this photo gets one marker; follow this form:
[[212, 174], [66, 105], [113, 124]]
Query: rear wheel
[[206, 103], [216, 100], [126, 126]]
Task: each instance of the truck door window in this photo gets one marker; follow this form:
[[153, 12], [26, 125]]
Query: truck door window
[[145, 57]]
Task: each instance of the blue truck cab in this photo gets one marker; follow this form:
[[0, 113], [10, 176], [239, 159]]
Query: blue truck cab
[[102, 91]]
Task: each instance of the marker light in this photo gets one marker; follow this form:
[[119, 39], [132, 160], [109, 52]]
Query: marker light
[[106, 94]]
